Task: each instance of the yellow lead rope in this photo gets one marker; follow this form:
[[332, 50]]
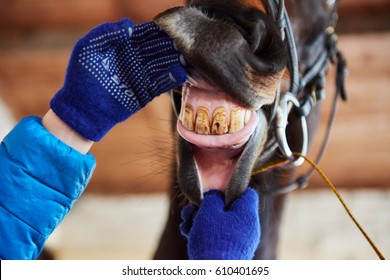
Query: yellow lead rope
[[326, 179]]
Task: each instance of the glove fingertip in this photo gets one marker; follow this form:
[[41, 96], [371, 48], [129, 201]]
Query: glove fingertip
[[187, 216], [248, 200], [251, 194], [188, 212], [177, 74], [213, 200], [214, 193], [126, 22]]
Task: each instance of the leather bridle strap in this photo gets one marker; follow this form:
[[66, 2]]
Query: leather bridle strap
[[276, 9], [314, 77]]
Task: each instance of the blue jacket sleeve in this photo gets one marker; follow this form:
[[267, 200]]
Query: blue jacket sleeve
[[40, 179]]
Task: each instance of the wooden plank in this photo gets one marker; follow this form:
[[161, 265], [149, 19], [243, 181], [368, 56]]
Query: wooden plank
[[359, 151], [349, 5], [70, 14], [363, 16], [30, 13], [73, 13]]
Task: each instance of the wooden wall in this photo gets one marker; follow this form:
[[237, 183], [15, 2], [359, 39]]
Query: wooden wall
[[359, 153], [36, 38]]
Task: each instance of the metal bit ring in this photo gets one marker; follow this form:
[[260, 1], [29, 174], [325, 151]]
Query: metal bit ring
[[285, 104]]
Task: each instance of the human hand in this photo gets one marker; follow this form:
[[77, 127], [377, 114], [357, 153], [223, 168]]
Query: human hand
[[113, 72], [214, 232]]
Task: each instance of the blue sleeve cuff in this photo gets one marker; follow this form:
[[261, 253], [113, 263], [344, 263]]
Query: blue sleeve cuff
[[41, 178]]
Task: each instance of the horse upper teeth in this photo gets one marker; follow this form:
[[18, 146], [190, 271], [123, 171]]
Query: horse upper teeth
[[188, 117], [218, 124], [202, 121], [248, 115], [237, 116]]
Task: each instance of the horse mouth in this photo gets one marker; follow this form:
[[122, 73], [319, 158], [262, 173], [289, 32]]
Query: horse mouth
[[216, 130]]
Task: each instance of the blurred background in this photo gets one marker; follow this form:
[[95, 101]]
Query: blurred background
[[125, 206]]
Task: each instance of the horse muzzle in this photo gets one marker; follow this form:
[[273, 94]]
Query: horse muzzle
[[236, 62]]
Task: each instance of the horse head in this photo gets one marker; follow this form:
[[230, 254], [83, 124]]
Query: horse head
[[253, 67]]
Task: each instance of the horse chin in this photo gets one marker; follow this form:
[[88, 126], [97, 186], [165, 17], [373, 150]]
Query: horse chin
[[220, 140]]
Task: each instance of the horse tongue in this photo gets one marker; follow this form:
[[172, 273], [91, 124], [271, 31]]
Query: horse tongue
[[215, 166]]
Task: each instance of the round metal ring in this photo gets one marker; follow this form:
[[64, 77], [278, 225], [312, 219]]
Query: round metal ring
[[285, 104]]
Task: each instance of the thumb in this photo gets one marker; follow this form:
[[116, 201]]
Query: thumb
[[187, 216]]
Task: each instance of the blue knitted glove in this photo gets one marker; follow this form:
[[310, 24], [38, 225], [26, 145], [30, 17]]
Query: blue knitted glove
[[214, 232], [113, 72]]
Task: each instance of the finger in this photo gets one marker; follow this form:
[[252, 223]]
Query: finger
[[187, 215], [213, 202], [188, 212], [106, 36], [148, 31], [248, 202], [171, 79], [177, 74]]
